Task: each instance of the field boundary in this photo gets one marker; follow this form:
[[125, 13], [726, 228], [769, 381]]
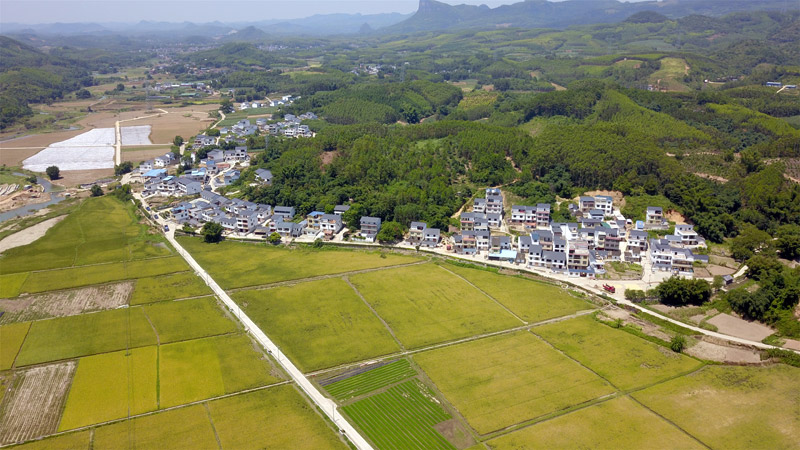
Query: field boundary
[[485, 293], [386, 325]]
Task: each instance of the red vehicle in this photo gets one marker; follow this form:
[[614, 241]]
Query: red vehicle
[[609, 288]]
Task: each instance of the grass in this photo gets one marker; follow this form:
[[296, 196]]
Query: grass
[[168, 287], [10, 284], [371, 380], [236, 264], [277, 417], [51, 280], [425, 304], [504, 380], [184, 428], [318, 324], [99, 230], [733, 407], [401, 418], [623, 359], [188, 319], [617, 423], [86, 334], [533, 301], [111, 386], [204, 368], [11, 338], [72, 441]]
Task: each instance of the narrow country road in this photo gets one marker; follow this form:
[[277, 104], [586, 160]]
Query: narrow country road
[[326, 405]]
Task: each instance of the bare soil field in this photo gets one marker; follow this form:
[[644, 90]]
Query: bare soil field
[[792, 344], [737, 327], [619, 198], [721, 353], [33, 407], [75, 177], [28, 235], [65, 303], [185, 121], [143, 155], [675, 216], [14, 156]]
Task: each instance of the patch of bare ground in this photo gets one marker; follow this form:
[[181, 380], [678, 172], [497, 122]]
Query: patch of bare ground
[[627, 318], [792, 344], [454, 432], [708, 176], [734, 326], [23, 198], [65, 303], [143, 155], [715, 269], [711, 349], [72, 178], [33, 407], [619, 198], [675, 216], [558, 87], [14, 156], [328, 157], [28, 235]]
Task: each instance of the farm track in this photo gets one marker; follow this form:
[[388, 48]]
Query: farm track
[[319, 277]]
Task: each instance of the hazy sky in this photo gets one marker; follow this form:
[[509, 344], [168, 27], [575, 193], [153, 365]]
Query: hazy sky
[[49, 11]]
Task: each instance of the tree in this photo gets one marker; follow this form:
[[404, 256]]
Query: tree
[[31, 179], [120, 87], [226, 106], [178, 140], [96, 190], [718, 283], [274, 238], [678, 343], [83, 94], [788, 241], [212, 232], [53, 172], [213, 132], [123, 168], [679, 292], [390, 232], [188, 229]]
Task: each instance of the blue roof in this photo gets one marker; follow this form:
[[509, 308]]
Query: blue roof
[[505, 254], [155, 172]]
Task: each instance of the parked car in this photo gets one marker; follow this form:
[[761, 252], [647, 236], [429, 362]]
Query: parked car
[[166, 227]]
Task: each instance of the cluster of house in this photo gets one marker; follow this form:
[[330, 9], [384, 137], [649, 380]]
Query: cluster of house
[[167, 159], [290, 126], [779, 84], [157, 182], [577, 248], [285, 100]]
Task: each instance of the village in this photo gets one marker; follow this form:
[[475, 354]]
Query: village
[[525, 238]]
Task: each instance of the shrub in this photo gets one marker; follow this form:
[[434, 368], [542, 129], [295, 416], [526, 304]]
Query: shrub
[[678, 343]]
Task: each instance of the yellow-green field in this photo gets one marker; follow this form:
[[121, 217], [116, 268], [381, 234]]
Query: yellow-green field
[[204, 368], [276, 417], [183, 428], [235, 264], [168, 287], [87, 334], [508, 379], [670, 74], [188, 319], [618, 423], [533, 301], [733, 407], [72, 441], [425, 304], [111, 386], [622, 358], [10, 284], [11, 338], [318, 324]]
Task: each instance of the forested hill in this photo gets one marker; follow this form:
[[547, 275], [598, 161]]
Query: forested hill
[[434, 15], [28, 75]]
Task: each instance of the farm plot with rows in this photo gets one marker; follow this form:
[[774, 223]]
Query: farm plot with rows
[[65, 303], [370, 380], [624, 360], [425, 304], [505, 380], [318, 324], [533, 301], [403, 417], [236, 264]]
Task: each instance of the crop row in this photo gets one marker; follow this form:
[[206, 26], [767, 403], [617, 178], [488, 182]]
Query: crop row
[[371, 380]]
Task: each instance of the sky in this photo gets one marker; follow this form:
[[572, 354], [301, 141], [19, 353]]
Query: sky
[[127, 11]]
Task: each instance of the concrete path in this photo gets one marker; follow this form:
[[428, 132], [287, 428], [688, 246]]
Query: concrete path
[[325, 404]]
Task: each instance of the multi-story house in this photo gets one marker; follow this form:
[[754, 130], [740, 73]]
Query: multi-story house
[[370, 226], [416, 232]]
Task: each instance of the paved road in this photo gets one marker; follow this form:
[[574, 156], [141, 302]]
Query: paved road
[[327, 406]]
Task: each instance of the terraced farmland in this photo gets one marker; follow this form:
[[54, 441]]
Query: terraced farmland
[[371, 380], [403, 417]]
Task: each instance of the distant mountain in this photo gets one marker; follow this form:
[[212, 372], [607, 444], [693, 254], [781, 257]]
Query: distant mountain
[[433, 15]]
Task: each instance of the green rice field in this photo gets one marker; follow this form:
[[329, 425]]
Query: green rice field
[[401, 418], [318, 324], [425, 304], [188, 319], [620, 357], [79, 440], [371, 380], [504, 380], [86, 334], [11, 284], [533, 301], [168, 287], [236, 264]]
